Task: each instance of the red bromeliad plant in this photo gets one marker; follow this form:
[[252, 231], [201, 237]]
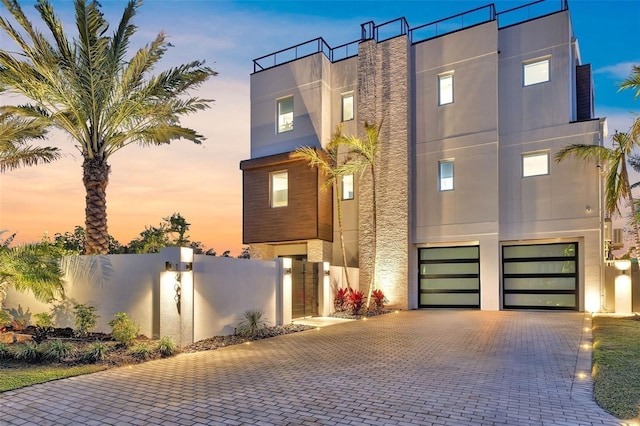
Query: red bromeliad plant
[[378, 299], [356, 300], [341, 300]]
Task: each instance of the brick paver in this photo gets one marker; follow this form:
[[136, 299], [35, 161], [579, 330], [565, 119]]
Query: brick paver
[[411, 368]]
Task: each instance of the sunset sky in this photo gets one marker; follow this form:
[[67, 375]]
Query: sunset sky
[[204, 183]]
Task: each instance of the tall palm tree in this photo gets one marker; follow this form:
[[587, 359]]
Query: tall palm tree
[[366, 155], [14, 150], [617, 186], [633, 83], [94, 91], [31, 267], [328, 162]]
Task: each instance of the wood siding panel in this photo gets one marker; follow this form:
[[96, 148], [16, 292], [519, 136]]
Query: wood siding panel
[[307, 215]]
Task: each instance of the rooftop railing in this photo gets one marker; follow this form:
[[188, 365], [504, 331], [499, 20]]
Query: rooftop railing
[[400, 26], [479, 15]]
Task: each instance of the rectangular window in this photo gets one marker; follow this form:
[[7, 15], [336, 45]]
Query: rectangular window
[[347, 106], [347, 187], [536, 72], [285, 114], [279, 189], [445, 89], [445, 175], [535, 164]]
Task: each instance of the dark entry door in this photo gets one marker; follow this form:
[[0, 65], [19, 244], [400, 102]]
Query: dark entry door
[[304, 291]]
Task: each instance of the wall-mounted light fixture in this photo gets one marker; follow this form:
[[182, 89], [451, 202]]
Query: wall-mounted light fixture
[[326, 268], [188, 266], [167, 266]]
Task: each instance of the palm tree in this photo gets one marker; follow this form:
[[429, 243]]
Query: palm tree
[[328, 162], [366, 153], [633, 83], [98, 94], [617, 186], [14, 151], [31, 267]]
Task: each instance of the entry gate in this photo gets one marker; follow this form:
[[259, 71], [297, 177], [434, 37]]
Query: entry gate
[[304, 289]]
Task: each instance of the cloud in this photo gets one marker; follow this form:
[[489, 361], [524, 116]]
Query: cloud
[[619, 71]]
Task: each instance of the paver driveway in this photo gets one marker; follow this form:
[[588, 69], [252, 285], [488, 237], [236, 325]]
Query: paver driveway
[[410, 368]]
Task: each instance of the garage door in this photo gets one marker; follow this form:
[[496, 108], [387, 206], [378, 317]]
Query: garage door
[[449, 277], [540, 276]]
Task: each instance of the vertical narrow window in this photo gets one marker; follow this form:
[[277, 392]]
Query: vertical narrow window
[[279, 189], [347, 106], [535, 72], [347, 187], [285, 114], [445, 175], [535, 164], [445, 89]]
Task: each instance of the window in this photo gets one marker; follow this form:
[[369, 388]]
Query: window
[[279, 189], [347, 106], [445, 175], [285, 114], [536, 72], [535, 164], [347, 187], [445, 89]]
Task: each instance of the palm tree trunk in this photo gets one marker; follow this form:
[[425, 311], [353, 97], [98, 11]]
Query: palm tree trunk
[[341, 230], [634, 222], [375, 236], [96, 178]]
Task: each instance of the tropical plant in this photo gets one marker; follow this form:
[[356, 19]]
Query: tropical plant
[[92, 89], [327, 161], [633, 83], [14, 150], [617, 187], [5, 318], [27, 351], [44, 326], [356, 301], [57, 350], [86, 319], [96, 352], [31, 267], [252, 325], [341, 299], [166, 347], [378, 299], [123, 330], [5, 353], [366, 156], [141, 351]]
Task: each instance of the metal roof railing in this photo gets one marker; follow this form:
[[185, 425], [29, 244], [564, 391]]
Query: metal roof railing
[[400, 26]]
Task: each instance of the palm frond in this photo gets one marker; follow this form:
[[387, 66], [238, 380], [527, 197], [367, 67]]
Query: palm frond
[[632, 82]]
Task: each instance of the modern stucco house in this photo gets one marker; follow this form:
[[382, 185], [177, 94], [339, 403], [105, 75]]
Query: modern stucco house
[[473, 211]]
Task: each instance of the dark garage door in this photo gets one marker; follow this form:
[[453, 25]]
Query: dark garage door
[[449, 277], [540, 276]]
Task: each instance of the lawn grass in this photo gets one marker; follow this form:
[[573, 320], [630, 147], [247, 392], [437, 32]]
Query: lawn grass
[[616, 365], [14, 378]]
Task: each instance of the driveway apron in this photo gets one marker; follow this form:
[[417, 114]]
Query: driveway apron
[[407, 368]]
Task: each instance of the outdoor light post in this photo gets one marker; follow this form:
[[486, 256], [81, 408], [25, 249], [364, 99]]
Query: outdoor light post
[[623, 287]]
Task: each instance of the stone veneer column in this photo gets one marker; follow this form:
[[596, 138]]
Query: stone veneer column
[[261, 251], [319, 251], [384, 96]]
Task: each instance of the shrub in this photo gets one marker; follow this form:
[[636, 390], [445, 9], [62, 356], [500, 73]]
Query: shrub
[[96, 352], [56, 350], [356, 301], [5, 353], [123, 330], [341, 300], [166, 347], [27, 351], [21, 318], [141, 352], [5, 319], [44, 326], [252, 325], [86, 319], [378, 299]]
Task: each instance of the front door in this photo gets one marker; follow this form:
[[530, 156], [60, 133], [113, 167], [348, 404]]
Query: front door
[[304, 289]]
